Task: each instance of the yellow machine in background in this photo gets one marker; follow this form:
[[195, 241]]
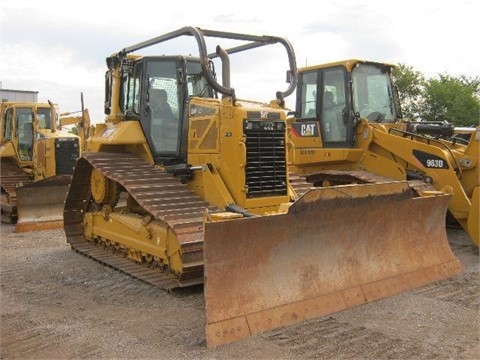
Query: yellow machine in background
[[348, 120], [37, 162], [187, 184], [80, 120]]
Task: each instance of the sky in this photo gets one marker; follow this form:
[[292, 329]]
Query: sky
[[59, 48]]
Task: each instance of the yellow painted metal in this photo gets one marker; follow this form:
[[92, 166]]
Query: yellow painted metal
[[473, 221], [81, 122], [43, 165], [29, 138], [208, 184], [133, 232], [7, 150], [388, 149], [461, 177], [104, 191], [272, 271], [123, 136]]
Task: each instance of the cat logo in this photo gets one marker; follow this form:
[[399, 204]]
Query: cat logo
[[305, 129]]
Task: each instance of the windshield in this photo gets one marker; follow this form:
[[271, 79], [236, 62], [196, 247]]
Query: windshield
[[373, 93], [43, 115]]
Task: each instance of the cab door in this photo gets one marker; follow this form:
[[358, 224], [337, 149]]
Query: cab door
[[24, 130]]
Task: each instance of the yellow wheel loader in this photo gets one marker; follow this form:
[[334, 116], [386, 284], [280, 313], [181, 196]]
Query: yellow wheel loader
[[348, 121], [37, 162], [198, 191]]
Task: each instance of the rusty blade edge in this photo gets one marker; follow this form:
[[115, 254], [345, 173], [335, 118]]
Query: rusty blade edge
[[238, 328]]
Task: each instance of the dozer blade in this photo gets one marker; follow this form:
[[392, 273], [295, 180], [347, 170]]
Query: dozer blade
[[336, 248], [40, 204]]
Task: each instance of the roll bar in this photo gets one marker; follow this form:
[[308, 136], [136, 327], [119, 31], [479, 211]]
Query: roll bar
[[200, 34]]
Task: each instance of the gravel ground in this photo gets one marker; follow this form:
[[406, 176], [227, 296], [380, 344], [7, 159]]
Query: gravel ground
[[57, 304]]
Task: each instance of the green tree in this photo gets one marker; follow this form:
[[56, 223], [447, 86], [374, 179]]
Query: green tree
[[410, 85], [74, 130], [452, 99], [443, 98]]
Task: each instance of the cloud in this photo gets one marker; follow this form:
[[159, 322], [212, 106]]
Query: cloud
[[59, 48]]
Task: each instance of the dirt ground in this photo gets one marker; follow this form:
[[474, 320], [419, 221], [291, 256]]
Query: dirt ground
[[57, 304]]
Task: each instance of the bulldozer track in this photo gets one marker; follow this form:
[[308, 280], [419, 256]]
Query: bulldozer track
[[158, 193], [11, 176], [301, 183]]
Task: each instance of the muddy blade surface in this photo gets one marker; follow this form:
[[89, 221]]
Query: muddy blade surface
[[334, 249], [40, 204]]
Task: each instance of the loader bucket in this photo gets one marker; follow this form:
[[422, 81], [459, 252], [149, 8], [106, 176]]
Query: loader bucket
[[40, 204], [336, 248]]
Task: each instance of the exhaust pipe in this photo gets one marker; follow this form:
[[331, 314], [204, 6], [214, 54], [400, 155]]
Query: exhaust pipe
[[225, 69]]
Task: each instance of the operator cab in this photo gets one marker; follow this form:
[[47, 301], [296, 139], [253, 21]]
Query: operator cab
[[20, 120], [336, 99], [156, 91]]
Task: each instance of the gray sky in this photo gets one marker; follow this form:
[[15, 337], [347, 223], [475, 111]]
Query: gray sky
[[59, 48]]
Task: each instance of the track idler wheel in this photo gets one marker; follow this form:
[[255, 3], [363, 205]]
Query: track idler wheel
[[104, 190]]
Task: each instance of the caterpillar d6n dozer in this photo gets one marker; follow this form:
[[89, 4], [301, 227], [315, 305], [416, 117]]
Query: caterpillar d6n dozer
[[187, 184], [37, 162], [348, 124]]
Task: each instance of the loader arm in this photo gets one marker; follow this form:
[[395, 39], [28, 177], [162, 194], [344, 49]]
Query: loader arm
[[437, 165]]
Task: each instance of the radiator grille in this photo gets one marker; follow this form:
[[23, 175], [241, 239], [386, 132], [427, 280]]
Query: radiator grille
[[66, 155], [266, 170]]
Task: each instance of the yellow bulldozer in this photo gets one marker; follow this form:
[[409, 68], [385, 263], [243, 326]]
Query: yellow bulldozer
[[186, 184], [37, 162], [348, 122]]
